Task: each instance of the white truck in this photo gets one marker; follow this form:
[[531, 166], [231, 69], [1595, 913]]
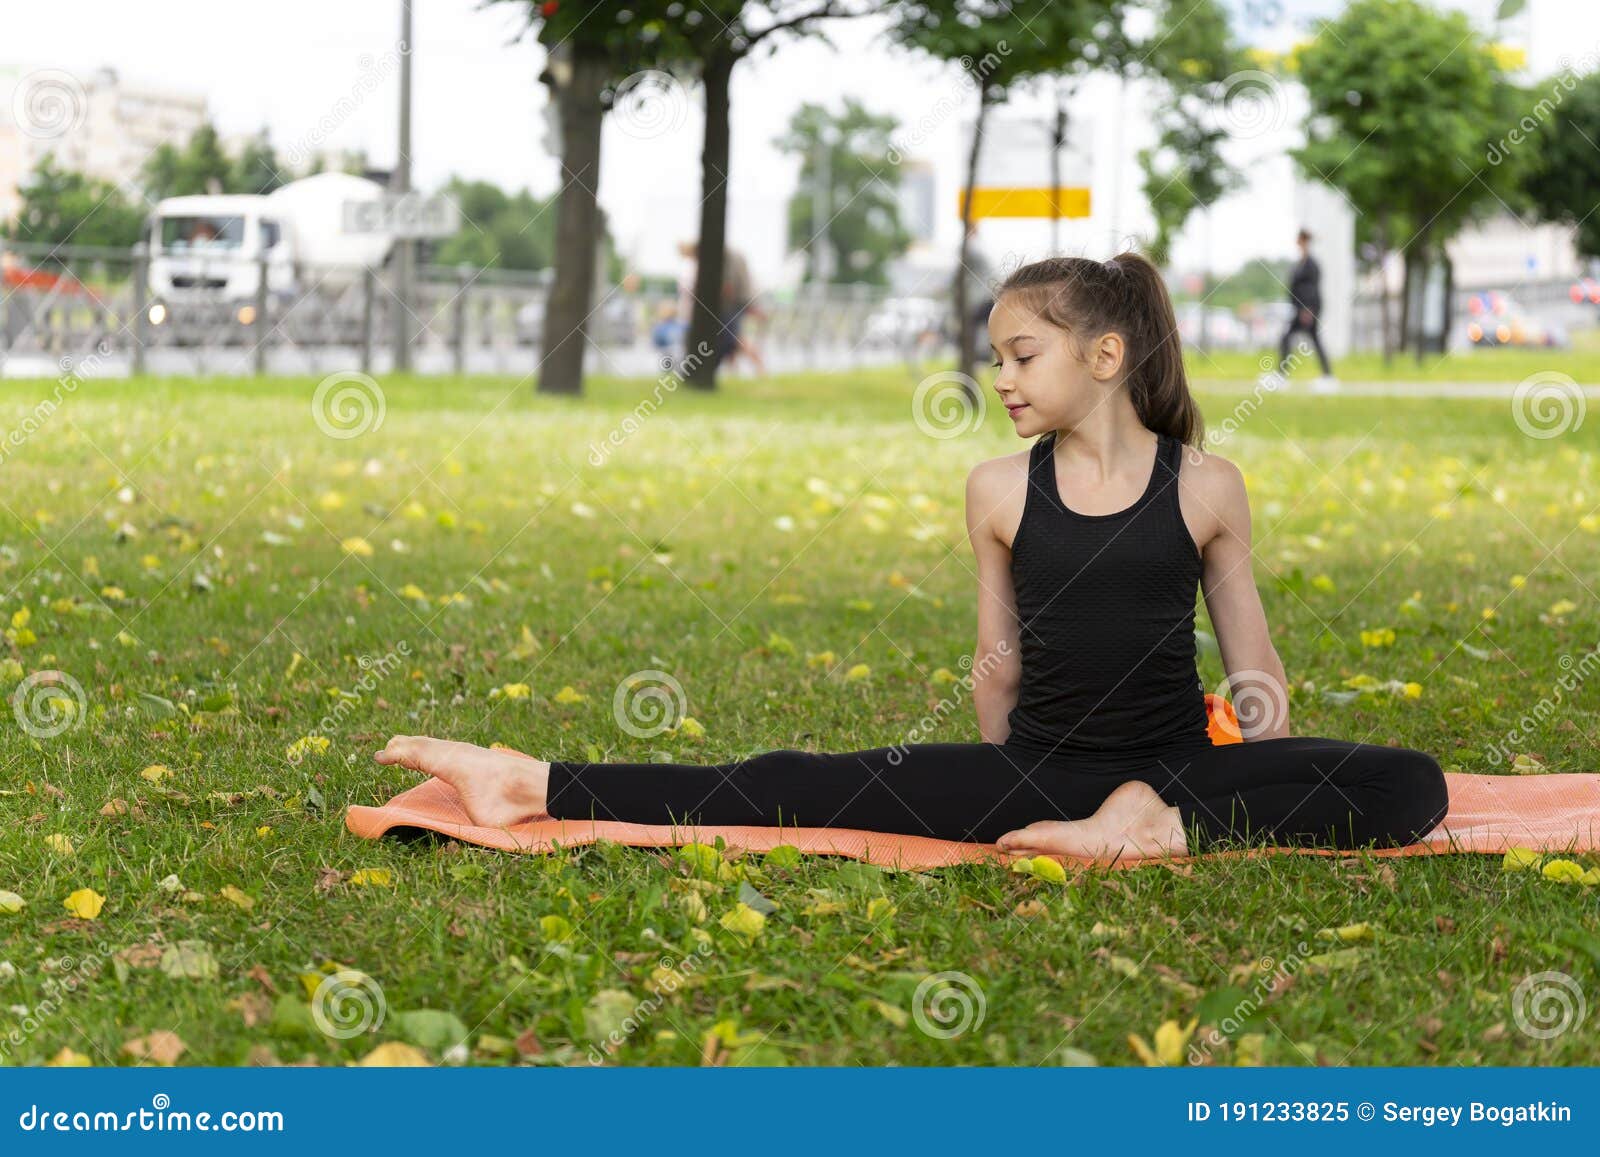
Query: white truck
[[208, 252]]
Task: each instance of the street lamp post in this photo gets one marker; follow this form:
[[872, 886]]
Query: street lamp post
[[400, 182]]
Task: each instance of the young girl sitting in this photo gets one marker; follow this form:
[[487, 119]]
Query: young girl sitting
[[1089, 548]]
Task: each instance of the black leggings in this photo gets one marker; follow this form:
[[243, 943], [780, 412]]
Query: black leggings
[[1309, 328], [1292, 790]]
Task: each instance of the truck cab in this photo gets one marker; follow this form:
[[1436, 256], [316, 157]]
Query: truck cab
[[210, 248]]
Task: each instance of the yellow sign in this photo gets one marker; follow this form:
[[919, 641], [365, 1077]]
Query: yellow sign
[[1073, 201]]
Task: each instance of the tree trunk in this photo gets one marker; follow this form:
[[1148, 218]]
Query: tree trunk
[[1386, 336], [1406, 266], [964, 327], [1419, 311], [1057, 140], [566, 312], [1449, 299], [705, 319]]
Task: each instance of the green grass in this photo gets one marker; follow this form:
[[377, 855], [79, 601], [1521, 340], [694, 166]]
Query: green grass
[[214, 513], [1581, 362]]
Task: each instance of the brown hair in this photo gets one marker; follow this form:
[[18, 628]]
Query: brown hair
[[1124, 295]]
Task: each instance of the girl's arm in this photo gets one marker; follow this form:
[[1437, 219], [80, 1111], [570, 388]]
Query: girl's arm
[[997, 663], [1257, 685]]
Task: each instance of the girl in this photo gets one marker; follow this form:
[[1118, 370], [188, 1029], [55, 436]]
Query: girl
[[1089, 548]]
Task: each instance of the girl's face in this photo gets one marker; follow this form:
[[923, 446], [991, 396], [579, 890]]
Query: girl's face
[[1042, 380]]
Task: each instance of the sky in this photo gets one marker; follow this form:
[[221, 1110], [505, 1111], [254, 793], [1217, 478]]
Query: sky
[[479, 112]]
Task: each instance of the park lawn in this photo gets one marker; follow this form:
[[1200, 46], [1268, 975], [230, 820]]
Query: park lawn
[[1580, 362], [225, 580]]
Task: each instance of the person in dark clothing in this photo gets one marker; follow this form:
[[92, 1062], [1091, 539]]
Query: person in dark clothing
[[1095, 738], [1305, 294]]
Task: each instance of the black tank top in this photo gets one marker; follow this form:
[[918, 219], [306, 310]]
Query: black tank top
[[1106, 604]]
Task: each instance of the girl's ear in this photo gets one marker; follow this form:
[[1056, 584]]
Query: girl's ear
[[1106, 358]]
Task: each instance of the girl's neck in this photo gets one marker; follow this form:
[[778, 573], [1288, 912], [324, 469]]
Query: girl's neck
[[1107, 445]]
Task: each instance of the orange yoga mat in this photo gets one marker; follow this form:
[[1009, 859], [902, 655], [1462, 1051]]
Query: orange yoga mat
[[1488, 814]]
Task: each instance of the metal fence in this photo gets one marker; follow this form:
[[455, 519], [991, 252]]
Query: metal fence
[[1540, 309], [116, 312], [112, 312]]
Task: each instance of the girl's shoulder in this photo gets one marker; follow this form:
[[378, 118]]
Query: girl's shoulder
[[1002, 469], [997, 492], [1211, 494], [1207, 473]]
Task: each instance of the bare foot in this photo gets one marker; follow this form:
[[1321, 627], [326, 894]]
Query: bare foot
[[497, 788], [1132, 823]]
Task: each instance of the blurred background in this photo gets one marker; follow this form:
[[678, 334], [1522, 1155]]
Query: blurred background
[[558, 188]]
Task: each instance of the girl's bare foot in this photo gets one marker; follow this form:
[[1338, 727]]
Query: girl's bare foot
[[497, 788], [1132, 823]]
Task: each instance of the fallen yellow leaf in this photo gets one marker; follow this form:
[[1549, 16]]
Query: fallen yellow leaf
[[375, 877], [880, 908], [1520, 860], [1348, 933], [394, 1054], [744, 921], [85, 903], [1045, 868], [237, 897], [1563, 872]]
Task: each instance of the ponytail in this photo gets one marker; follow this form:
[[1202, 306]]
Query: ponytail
[[1124, 295]]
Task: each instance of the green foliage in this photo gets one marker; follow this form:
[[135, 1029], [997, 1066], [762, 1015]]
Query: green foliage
[[1005, 42], [256, 169], [1564, 174], [1257, 280], [499, 230], [201, 166], [1406, 100], [863, 214], [1193, 52], [63, 207]]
